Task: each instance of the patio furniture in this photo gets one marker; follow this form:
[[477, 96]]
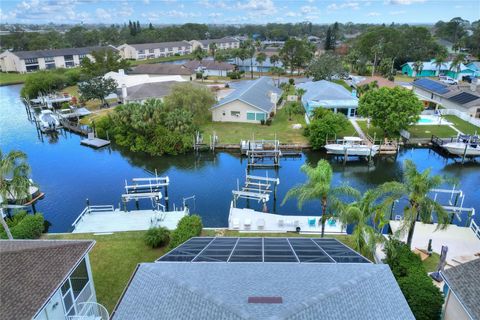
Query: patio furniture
[[311, 222], [260, 224], [236, 224], [247, 223], [280, 222]]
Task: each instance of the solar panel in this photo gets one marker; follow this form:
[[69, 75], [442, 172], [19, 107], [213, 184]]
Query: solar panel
[[299, 250], [463, 98], [431, 85]]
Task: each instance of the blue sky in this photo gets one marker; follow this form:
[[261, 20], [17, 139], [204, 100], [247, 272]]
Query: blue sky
[[236, 11]]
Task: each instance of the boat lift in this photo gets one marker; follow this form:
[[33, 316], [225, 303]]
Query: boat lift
[[256, 188], [453, 206], [147, 188]]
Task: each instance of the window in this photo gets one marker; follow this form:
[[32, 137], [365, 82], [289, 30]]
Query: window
[[49, 59], [31, 61], [235, 114], [256, 116], [259, 116], [32, 67], [81, 56], [251, 116], [141, 51], [68, 57], [79, 278], [69, 64]]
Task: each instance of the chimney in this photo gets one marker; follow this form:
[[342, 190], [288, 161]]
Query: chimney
[[124, 93]]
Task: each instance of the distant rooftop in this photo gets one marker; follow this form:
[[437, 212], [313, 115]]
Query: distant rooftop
[[207, 42], [58, 52], [327, 93], [159, 45], [161, 69]]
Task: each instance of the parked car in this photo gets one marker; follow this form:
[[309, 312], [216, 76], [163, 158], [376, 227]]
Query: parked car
[[448, 80], [468, 78]]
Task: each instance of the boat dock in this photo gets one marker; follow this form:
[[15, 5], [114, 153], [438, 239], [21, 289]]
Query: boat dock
[[266, 153], [106, 219], [94, 142]]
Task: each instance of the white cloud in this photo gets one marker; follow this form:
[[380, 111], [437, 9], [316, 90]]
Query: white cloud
[[103, 14], [258, 5], [146, 1], [405, 2], [373, 14], [398, 12], [309, 10], [292, 14], [215, 15], [212, 4], [345, 5]]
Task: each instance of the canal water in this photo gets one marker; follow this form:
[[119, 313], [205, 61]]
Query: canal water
[[69, 173]]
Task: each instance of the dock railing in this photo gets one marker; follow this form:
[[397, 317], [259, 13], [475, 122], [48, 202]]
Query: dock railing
[[92, 209], [475, 228]]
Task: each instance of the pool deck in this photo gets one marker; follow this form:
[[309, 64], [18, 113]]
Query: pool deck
[[118, 221], [462, 242], [248, 220]]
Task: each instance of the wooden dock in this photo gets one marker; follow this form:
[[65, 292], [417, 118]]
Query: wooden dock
[[95, 142]]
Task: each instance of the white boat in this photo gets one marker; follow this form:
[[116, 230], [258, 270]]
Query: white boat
[[48, 121], [352, 146], [464, 145]]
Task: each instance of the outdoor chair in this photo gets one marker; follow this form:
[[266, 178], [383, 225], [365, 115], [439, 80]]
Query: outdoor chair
[[247, 223], [280, 222], [236, 224], [260, 224]]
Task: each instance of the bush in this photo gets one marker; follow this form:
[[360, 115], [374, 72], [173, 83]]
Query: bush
[[234, 75], [328, 125], [291, 81], [28, 227], [157, 237], [262, 122], [187, 227], [423, 297], [268, 121]]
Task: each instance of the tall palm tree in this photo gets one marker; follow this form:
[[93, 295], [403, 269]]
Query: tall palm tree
[[417, 67], [457, 63], [213, 49], [274, 59], [14, 181], [261, 58], [415, 187], [318, 187], [300, 92], [368, 212], [440, 60]]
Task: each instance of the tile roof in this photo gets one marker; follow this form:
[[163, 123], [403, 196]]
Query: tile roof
[[255, 93], [208, 64], [32, 270], [219, 290], [158, 45], [58, 52], [464, 281], [162, 69]]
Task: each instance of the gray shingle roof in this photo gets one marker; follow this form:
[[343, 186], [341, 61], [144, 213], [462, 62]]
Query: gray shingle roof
[[159, 45], [32, 270], [324, 90], [162, 69], [172, 290], [150, 90], [464, 281], [58, 52], [208, 64], [255, 93]]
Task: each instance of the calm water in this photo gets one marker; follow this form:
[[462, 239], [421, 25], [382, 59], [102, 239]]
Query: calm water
[[69, 173]]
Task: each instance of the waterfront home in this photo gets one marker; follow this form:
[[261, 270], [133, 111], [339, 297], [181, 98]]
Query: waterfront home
[[46, 279], [143, 51], [251, 101], [475, 66], [163, 69], [430, 69], [262, 278], [462, 291], [223, 43], [209, 67], [27, 61], [248, 65], [328, 95], [462, 98]]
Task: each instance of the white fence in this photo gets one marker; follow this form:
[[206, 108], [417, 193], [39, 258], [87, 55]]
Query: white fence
[[461, 115], [92, 209], [475, 228]]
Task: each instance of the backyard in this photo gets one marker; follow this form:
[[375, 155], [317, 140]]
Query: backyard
[[12, 78], [462, 125]]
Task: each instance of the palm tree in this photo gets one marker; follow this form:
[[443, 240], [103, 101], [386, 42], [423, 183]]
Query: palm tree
[[213, 49], [352, 59], [318, 187], [261, 57], [439, 61], [416, 186], [274, 59], [198, 53], [457, 63], [300, 92], [368, 212], [14, 181], [248, 51], [417, 67]]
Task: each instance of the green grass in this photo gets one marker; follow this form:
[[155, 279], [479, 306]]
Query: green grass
[[441, 131], [347, 131], [372, 131], [430, 264], [233, 132], [403, 78], [343, 83], [114, 258], [462, 125], [161, 59], [12, 78]]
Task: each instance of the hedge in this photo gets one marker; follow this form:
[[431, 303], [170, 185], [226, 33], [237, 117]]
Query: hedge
[[187, 227], [423, 297], [30, 227], [157, 237]]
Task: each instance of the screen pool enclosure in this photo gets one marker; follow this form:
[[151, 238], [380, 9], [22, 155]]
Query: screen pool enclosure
[[300, 250]]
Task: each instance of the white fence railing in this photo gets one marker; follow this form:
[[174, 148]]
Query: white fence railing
[[92, 209], [462, 115], [475, 228], [89, 311]]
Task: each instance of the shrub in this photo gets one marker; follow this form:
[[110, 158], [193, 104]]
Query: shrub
[[234, 75], [268, 121], [30, 227], [423, 297], [187, 227], [157, 237], [329, 125], [262, 122], [291, 81]]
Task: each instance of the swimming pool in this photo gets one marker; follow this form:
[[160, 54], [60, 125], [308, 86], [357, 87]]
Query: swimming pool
[[431, 120], [425, 120]]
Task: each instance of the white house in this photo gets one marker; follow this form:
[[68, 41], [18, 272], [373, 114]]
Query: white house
[[223, 43], [26, 61], [47, 280], [144, 51], [210, 67], [251, 102]]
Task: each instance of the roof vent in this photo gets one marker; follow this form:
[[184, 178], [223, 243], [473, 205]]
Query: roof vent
[[266, 300]]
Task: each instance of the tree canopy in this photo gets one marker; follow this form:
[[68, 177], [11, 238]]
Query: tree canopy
[[325, 67], [324, 123], [194, 98], [104, 60], [97, 88], [391, 109], [296, 54]]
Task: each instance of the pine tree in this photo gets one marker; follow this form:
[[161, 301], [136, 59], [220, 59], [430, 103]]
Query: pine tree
[[334, 36], [150, 26], [139, 29], [328, 39]]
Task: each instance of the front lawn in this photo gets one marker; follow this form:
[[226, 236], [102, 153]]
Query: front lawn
[[442, 131], [12, 78], [114, 258], [90, 104], [462, 125], [233, 132]]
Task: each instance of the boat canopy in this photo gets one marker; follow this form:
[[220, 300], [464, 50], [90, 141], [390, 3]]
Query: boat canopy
[[353, 139]]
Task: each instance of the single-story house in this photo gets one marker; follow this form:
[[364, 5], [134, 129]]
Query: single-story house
[[262, 278], [142, 51], [475, 66], [210, 67], [430, 69], [252, 64], [462, 291], [27, 61], [164, 69], [381, 82], [463, 98], [328, 95], [47, 279], [223, 43], [251, 102]]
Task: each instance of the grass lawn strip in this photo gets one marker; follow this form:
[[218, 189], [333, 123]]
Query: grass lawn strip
[[12, 78], [462, 125]]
